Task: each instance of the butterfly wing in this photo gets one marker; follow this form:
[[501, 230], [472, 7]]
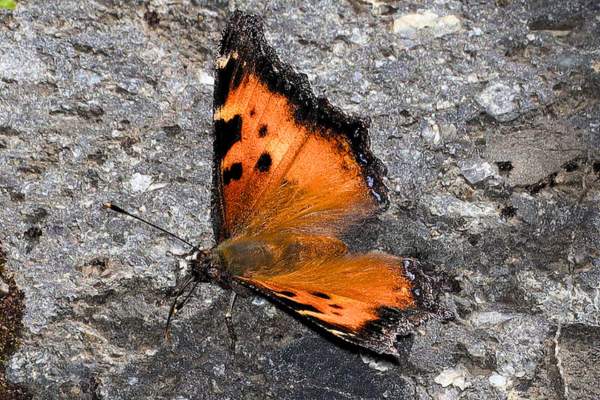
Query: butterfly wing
[[366, 299], [272, 132]]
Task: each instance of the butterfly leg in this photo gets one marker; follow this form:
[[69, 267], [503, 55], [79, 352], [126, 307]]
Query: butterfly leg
[[229, 321], [177, 304]]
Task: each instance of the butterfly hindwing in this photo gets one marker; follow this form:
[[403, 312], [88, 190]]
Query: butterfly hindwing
[[271, 130], [385, 297]]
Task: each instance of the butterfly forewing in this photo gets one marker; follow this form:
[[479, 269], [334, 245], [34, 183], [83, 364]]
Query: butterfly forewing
[[270, 130]]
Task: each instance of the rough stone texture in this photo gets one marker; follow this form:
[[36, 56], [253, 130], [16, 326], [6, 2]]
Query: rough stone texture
[[11, 314], [111, 100]]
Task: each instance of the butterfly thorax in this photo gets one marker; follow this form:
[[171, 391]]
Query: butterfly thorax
[[271, 254], [241, 257], [232, 258]]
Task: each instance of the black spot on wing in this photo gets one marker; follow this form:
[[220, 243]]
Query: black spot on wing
[[264, 162], [296, 306], [287, 293], [336, 306], [232, 173], [252, 112], [262, 131], [321, 295], [227, 133]]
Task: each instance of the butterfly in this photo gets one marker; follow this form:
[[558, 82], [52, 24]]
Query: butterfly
[[292, 175]]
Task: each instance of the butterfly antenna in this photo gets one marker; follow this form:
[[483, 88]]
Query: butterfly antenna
[[118, 209]]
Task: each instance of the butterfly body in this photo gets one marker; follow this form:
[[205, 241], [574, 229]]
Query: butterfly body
[[292, 176]]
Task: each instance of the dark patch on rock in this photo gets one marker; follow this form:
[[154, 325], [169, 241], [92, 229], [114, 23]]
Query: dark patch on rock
[[36, 216], [152, 18], [32, 236], [508, 212], [172, 130], [6, 130], [98, 157]]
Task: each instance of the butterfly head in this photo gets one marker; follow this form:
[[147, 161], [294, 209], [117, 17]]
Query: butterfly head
[[206, 267]]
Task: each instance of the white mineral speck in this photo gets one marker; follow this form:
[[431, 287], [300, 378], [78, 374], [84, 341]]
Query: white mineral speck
[[409, 25], [205, 78], [139, 182], [500, 101], [498, 380], [456, 377]]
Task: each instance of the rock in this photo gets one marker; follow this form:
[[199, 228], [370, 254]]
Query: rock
[[535, 154], [500, 101], [476, 170], [577, 352], [452, 207], [521, 339], [498, 381], [430, 132], [376, 363], [4, 288], [205, 78], [427, 23], [106, 100], [457, 377], [140, 182], [20, 62]]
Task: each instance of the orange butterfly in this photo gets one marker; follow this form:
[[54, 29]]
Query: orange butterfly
[[292, 174]]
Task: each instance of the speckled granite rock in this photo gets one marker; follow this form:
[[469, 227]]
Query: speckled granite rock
[[487, 117]]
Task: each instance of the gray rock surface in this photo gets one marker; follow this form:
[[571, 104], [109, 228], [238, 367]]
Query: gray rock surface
[[111, 100]]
